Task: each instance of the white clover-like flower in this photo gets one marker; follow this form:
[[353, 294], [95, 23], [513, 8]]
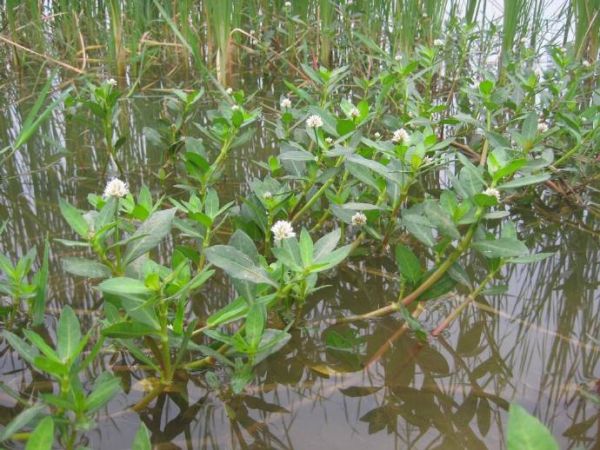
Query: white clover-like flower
[[438, 42], [116, 188], [329, 140], [282, 230], [314, 121], [542, 127], [354, 112], [267, 195], [229, 91], [235, 107], [398, 57], [288, 4], [400, 135], [523, 40], [358, 219], [111, 82], [586, 63], [377, 135], [285, 103], [492, 192]]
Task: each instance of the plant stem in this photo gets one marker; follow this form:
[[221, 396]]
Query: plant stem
[[467, 301], [433, 278], [318, 194]]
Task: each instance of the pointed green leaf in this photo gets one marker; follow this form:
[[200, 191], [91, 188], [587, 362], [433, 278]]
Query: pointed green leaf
[[42, 437], [68, 334], [525, 432], [151, 232], [237, 264]]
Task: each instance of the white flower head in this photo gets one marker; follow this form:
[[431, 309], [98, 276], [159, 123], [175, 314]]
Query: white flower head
[[427, 160], [235, 107], [377, 135], [398, 57], [329, 140], [354, 112], [116, 188], [586, 63], [229, 91], [314, 121], [400, 135], [523, 40], [282, 230], [542, 127], [359, 219], [285, 103], [288, 4], [267, 195], [111, 82], [438, 42], [492, 192]]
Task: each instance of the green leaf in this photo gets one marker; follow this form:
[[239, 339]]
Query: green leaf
[[124, 287], [141, 441], [237, 264], [135, 297], [501, 248], [74, 218], [509, 169], [408, 264], [525, 432], [255, 324], [525, 181], [51, 366], [306, 248], [439, 288], [151, 232], [68, 334], [107, 213], [441, 219], [27, 352], [419, 227], [105, 388], [39, 342], [42, 437], [326, 245], [126, 330], [86, 268], [530, 124], [20, 421], [529, 258], [332, 259]]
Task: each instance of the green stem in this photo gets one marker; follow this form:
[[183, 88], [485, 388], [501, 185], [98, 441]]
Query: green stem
[[318, 194], [470, 298], [433, 278]]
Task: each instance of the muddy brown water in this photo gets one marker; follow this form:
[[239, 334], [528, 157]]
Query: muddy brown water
[[533, 344]]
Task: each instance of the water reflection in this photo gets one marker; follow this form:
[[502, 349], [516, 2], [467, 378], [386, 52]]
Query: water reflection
[[387, 390]]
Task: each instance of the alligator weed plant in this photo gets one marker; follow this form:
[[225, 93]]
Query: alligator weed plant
[[411, 162]]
